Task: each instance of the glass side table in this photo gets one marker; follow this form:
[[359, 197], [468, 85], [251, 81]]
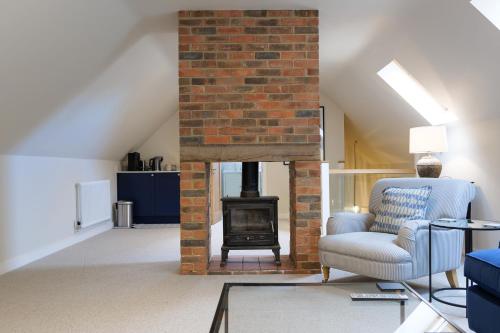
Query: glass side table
[[468, 226]]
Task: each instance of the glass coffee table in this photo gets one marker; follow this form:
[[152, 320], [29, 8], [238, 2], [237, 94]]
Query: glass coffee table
[[322, 307]]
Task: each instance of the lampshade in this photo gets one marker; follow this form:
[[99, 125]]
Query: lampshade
[[428, 139]]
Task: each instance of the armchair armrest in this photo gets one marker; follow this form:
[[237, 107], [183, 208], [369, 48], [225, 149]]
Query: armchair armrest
[[344, 222], [413, 237], [407, 235], [410, 228]]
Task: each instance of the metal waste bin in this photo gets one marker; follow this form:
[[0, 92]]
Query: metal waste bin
[[124, 214]]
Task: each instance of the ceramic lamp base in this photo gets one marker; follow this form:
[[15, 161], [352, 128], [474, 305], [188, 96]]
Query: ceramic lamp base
[[429, 167]]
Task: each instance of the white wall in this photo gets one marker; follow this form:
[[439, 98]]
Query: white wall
[[334, 131], [474, 155], [276, 182], [164, 142], [335, 147], [326, 210], [38, 207]]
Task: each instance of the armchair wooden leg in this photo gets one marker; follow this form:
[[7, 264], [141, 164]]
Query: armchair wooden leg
[[326, 273], [452, 278]]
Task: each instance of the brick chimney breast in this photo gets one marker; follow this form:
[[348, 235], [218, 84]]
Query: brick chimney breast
[[249, 85]]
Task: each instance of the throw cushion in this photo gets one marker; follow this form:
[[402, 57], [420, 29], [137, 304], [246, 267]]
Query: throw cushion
[[399, 205]]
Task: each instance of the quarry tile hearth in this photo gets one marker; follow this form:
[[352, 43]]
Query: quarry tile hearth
[[251, 265]]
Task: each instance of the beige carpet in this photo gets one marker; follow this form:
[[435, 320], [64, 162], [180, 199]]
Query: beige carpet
[[123, 281]]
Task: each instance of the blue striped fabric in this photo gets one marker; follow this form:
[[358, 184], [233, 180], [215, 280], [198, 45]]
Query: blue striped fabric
[[399, 205]]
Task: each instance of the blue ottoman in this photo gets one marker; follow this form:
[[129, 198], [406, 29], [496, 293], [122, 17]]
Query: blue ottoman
[[483, 299]]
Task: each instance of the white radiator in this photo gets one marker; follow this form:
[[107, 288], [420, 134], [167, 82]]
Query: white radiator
[[93, 203]]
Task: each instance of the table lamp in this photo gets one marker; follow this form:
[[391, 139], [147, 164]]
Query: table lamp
[[428, 140]]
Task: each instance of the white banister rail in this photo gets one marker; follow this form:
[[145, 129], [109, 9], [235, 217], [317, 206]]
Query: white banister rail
[[372, 171], [350, 188]]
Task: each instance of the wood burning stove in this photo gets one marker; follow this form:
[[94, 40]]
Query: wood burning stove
[[250, 222]]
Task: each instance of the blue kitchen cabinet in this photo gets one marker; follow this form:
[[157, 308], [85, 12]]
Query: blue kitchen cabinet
[[167, 198], [156, 195]]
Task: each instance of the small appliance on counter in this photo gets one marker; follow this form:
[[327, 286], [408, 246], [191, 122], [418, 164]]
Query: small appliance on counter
[[155, 163], [134, 162]]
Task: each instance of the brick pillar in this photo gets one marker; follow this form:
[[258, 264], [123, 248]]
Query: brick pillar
[[195, 226], [305, 214]]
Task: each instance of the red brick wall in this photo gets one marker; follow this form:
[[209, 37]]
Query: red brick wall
[[248, 77], [195, 226], [305, 214]]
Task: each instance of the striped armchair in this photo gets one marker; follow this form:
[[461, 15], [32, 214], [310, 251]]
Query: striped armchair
[[350, 246]]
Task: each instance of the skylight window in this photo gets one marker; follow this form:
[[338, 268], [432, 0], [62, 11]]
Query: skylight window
[[415, 94], [490, 9]]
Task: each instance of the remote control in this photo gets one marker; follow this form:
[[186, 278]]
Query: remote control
[[378, 297], [390, 286]]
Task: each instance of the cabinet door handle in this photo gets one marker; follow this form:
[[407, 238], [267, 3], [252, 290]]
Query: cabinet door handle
[[152, 175]]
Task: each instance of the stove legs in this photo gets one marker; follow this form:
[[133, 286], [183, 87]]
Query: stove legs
[[223, 259], [277, 256]]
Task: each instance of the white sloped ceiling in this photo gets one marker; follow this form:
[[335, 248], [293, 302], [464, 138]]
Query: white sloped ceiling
[[447, 45], [85, 79]]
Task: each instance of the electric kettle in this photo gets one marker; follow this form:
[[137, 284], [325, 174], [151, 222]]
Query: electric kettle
[[155, 163]]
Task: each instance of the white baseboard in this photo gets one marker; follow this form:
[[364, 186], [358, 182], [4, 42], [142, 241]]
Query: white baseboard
[[77, 237]]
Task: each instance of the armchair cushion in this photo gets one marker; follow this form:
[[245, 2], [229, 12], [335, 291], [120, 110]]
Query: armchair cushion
[[399, 205], [373, 246]]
